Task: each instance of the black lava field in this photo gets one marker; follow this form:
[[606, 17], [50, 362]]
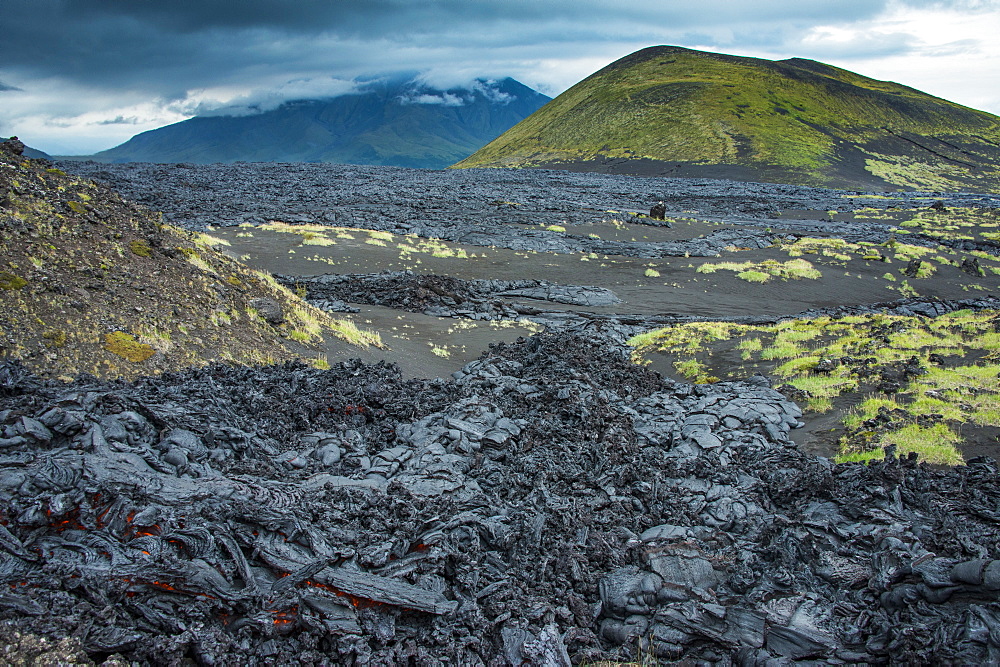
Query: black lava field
[[548, 502]]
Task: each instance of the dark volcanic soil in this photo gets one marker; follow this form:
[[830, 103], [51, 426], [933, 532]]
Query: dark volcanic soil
[[561, 228]]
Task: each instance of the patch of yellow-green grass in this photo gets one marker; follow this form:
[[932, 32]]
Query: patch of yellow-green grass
[[10, 281], [907, 172], [988, 340], [689, 337], [796, 331], [555, 228], [350, 332], [759, 272], [781, 349], [752, 276], [818, 405], [834, 248], [969, 378], [195, 259], [797, 366], [824, 386], [140, 248], [695, 371], [433, 247], [749, 347], [127, 347], [317, 240], [209, 241], [936, 443], [975, 390], [904, 252], [922, 404], [867, 409], [651, 273], [919, 337], [791, 349]]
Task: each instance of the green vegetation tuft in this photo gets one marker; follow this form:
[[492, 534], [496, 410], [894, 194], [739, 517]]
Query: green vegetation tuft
[[9, 281], [956, 384], [127, 347], [761, 272], [140, 248]]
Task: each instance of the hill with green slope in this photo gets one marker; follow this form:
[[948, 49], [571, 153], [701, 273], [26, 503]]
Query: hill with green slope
[[92, 283], [395, 123], [673, 111]]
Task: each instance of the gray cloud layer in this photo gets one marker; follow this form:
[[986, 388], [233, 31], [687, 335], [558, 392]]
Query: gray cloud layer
[[166, 47], [265, 51]]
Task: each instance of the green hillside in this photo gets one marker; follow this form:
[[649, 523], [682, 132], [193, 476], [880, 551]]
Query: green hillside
[[673, 111]]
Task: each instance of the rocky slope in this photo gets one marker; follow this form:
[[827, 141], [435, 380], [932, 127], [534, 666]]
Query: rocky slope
[[92, 283], [673, 111], [389, 123]]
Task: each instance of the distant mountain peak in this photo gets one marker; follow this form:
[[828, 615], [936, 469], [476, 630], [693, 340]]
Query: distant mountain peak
[[396, 120]]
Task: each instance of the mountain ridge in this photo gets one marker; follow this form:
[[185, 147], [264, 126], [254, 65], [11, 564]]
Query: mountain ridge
[[673, 111], [397, 123]]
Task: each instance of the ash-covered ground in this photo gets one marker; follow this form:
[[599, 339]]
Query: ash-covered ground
[[550, 503]]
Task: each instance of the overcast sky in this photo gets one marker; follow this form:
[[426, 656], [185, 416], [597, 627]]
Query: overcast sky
[[78, 76]]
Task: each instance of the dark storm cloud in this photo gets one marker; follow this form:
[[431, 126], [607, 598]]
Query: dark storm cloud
[[99, 68], [158, 46]]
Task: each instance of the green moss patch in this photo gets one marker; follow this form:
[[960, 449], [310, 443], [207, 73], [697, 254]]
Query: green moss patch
[[127, 347], [933, 377], [9, 281], [761, 272], [140, 248]]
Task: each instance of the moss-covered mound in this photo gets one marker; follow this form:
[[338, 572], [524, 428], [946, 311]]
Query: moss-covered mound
[[90, 282], [673, 111]]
